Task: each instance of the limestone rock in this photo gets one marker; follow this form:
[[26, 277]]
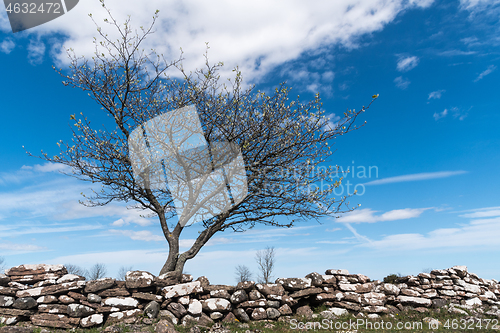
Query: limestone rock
[[25, 303], [139, 279], [93, 298], [414, 301], [147, 297], [195, 307], [51, 290], [115, 292], [241, 315], [255, 295], [305, 311], [66, 299], [6, 301], [4, 280], [53, 308], [246, 285], [203, 281], [220, 294], [122, 303], [185, 278], [97, 285], [344, 272], [6, 291], [316, 279], [259, 314], [152, 309], [69, 278], [54, 321], [285, 310], [272, 313], [271, 289], [306, 292], [126, 316], [216, 304], [93, 320], [79, 310], [30, 274], [177, 309], [167, 279], [239, 296], [182, 289], [216, 315], [293, 284]]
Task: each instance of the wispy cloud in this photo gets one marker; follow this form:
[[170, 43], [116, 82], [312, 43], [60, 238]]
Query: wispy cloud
[[7, 45], [488, 71], [436, 94], [440, 115], [368, 216], [401, 82], [406, 64], [143, 235], [477, 234], [484, 212], [36, 52], [453, 53], [19, 248], [416, 177]]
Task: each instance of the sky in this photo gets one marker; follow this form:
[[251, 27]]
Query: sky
[[425, 164]]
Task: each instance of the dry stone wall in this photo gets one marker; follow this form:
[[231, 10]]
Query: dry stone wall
[[47, 296]]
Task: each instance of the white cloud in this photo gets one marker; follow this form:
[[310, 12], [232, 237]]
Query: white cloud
[[367, 215], [11, 248], [488, 71], [36, 52], [401, 82], [440, 115], [485, 212], [452, 53], [476, 234], [144, 235], [476, 5], [21, 229], [255, 35], [406, 64], [436, 94], [7, 46], [416, 177]]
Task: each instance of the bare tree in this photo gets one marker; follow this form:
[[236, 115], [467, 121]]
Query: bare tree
[[282, 141], [97, 271], [122, 272], [265, 260], [77, 270], [243, 273]]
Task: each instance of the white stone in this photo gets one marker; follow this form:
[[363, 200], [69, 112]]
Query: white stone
[[184, 300], [182, 289], [474, 301], [194, 307], [347, 287], [67, 278], [414, 300], [125, 301], [472, 288], [95, 319], [338, 311]]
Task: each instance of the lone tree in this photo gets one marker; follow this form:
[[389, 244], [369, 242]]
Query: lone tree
[[283, 142], [243, 273], [265, 261]]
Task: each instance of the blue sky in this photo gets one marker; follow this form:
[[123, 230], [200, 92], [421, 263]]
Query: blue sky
[[431, 139]]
